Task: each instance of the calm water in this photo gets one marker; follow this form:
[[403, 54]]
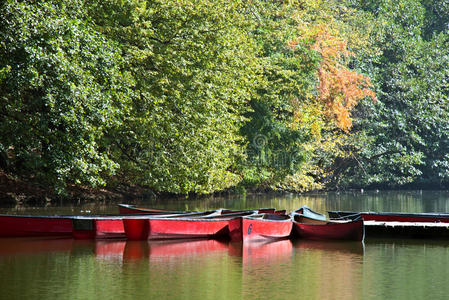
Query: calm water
[[48, 268]]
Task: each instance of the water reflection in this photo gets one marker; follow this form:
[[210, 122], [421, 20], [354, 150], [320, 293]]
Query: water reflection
[[52, 268], [400, 201], [49, 268], [348, 247], [334, 269], [30, 246], [109, 250], [406, 269], [267, 252], [157, 251]]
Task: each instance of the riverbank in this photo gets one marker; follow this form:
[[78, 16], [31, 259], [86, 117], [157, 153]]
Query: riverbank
[[18, 191]]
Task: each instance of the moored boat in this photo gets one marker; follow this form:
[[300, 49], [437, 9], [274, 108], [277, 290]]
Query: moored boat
[[111, 226], [260, 227], [133, 209], [309, 213], [27, 226], [214, 224], [305, 226], [125, 209], [392, 216], [80, 227], [98, 227], [86, 226]]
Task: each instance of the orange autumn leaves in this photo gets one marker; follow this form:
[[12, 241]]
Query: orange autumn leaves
[[339, 88]]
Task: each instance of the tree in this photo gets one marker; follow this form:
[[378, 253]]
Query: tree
[[401, 140], [62, 90], [273, 145], [194, 67]]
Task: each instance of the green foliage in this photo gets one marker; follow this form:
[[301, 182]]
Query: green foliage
[[402, 138], [195, 67], [201, 96], [61, 89], [273, 146]]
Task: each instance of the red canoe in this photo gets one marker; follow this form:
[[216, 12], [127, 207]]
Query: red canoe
[[80, 227], [101, 227], [125, 209], [132, 209], [155, 227], [393, 216], [260, 227], [328, 230], [98, 227], [27, 226], [76, 226]]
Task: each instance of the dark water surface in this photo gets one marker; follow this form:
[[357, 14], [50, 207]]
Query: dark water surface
[[49, 268]]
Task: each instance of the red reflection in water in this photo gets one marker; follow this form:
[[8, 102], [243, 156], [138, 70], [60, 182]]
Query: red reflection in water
[[167, 249], [110, 250], [29, 246], [266, 251]]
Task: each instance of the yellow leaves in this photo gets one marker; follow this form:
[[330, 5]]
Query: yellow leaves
[[339, 88], [304, 180], [307, 115]]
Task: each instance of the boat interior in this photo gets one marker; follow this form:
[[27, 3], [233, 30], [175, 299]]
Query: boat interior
[[275, 217], [305, 220]]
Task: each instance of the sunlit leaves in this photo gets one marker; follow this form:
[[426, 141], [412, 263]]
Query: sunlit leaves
[[62, 90], [195, 67], [339, 88], [405, 132]]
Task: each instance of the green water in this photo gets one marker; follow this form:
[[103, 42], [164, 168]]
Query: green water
[[48, 268]]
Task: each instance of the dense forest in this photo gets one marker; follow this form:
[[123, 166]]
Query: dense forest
[[203, 96]]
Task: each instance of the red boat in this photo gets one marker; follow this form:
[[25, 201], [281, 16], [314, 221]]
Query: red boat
[[80, 227], [125, 209], [307, 227], [102, 227], [26, 226], [260, 227], [213, 224], [98, 227], [392, 216], [132, 209]]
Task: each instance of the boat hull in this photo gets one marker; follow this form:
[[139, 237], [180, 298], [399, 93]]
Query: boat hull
[[106, 227], [196, 225], [28, 226], [394, 216], [98, 228], [141, 229], [353, 231], [247, 228], [128, 209]]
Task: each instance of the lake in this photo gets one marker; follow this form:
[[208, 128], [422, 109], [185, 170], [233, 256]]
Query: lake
[[52, 268]]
